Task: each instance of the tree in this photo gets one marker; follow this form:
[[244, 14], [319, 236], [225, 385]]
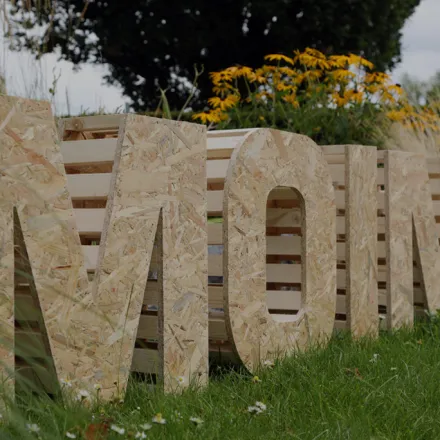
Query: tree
[[151, 43]]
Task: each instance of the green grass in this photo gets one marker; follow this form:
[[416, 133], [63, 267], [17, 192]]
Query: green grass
[[338, 392]]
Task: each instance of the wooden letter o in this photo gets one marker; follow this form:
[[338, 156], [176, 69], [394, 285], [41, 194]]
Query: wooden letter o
[[266, 159]]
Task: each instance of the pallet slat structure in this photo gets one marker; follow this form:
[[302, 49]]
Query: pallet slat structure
[[88, 148]]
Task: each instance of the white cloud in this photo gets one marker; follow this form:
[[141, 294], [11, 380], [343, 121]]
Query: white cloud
[[420, 43], [86, 88]]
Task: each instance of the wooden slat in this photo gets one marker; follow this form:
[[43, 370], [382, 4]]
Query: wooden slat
[[97, 186], [88, 152], [435, 186], [276, 299], [89, 186], [276, 273], [90, 221], [286, 301], [93, 123]]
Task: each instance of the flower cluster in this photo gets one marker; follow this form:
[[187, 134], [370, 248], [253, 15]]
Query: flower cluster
[[289, 83]]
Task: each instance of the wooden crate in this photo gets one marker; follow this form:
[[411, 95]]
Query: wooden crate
[[88, 149]]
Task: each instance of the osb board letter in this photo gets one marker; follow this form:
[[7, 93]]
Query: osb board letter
[[361, 240], [408, 205], [159, 167], [266, 159]]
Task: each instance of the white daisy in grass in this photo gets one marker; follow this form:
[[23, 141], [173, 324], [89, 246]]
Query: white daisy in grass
[[180, 380], [82, 395], [70, 435], [268, 363], [97, 387], [33, 427], [159, 419], [146, 427], [261, 405], [140, 435], [196, 420], [258, 408], [374, 358], [119, 430], [66, 383], [254, 410]]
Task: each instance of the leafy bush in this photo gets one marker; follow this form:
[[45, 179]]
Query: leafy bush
[[334, 100]]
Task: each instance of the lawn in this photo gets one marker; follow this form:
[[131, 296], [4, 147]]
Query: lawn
[[387, 388]]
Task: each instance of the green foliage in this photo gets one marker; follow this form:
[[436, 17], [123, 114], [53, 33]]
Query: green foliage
[[148, 43], [381, 389], [358, 125]]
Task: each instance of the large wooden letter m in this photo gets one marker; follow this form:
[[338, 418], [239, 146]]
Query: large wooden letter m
[[157, 189]]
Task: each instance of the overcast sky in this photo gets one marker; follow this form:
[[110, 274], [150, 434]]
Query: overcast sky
[[86, 90]]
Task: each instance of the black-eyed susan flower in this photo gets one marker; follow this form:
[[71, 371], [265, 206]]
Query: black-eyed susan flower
[[218, 77], [225, 103], [279, 57], [212, 116], [396, 115]]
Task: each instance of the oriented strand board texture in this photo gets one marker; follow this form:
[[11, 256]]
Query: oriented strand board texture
[[91, 331], [361, 240], [160, 167], [31, 164], [407, 202], [264, 160]]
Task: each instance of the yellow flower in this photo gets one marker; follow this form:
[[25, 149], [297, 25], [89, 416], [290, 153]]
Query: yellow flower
[[256, 379], [312, 58], [258, 76], [218, 77], [396, 88], [387, 98], [314, 52], [306, 59], [224, 104], [288, 71], [282, 87], [374, 88], [342, 74], [279, 57], [340, 61], [242, 71], [267, 68], [357, 97], [264, 94], [292, 99], [310, 75], [223, 88], [376, 77], [358, 60], [339, 100], [214, 116]]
